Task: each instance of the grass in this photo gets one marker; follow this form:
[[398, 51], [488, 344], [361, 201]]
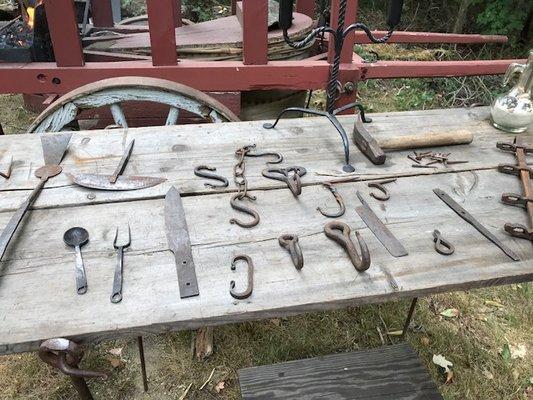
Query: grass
[[475, 341]]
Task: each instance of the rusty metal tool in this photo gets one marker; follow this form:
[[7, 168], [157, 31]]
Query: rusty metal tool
[[442, 246], [338, 199], [366, 143], [179, 243], [290, 243], [54, 147], [340, 233], [116, 295], [77, 237], [122, 163], [239, 177], [7, 174], [239, 207], [116, 181], [290, 175], [65, 355], [250, 287], [384, 195], [474, 222], [520, 147], [202, 172], [378, 228]]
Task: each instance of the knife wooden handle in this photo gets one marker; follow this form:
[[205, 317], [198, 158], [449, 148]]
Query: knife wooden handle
[[428, 139]]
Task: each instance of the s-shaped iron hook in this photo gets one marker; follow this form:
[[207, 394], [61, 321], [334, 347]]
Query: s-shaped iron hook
[[246, 210], [248, 291], [201, 171], [340, 232], [338, 198]]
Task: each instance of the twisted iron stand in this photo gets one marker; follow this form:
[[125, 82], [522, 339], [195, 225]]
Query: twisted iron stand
[[334, 86]]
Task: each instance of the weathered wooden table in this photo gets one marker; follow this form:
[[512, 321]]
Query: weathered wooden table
[[38, 299]]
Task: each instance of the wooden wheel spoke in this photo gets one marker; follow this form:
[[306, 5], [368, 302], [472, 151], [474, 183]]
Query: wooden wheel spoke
[[173, 115], [118, 115]]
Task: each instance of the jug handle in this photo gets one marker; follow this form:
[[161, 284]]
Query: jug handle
[[513, 69]]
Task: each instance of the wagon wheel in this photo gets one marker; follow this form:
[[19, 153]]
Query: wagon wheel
[[115, 91]]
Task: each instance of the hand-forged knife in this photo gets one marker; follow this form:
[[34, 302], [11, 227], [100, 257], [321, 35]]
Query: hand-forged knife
[[179, 243], [441, 194], [116, 181]]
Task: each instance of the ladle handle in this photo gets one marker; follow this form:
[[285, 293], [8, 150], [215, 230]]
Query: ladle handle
[[14, 222], [81, 279]]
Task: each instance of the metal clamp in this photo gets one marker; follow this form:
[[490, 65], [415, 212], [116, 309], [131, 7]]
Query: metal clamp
[[290, 242], [340, 232], [514, 199], [201, 171], [519, 231], [290, 175], [505, 146], [338, 199], [248, 291], [442, 246], [514, 169]]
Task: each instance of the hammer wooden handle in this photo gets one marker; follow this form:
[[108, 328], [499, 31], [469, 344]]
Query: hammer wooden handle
[[428, 139]]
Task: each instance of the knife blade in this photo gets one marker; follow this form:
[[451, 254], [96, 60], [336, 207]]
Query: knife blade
[[441, 194], [102, 182], [179, 243], [378, 228], [122, 164]]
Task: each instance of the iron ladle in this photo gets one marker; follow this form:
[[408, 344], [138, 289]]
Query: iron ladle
[[77, 237]]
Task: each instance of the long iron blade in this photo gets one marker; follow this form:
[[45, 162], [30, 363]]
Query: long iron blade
[[123, 161], [474, 222], [378, 228], [54, 146], [179, 243], [101, 182]]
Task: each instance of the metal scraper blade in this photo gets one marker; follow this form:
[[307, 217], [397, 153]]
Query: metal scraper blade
[[54, 146], [101, 182], [378, 228]]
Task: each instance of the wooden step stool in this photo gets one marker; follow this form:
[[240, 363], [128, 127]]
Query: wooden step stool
[[385, 373]]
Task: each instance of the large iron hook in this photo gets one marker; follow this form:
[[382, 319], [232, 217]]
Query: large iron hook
[[340, 232], [290, 175], [338, 198], [246, 210], [290, 242], [379, 185], [278, 157], [248, 291], [201, 172]]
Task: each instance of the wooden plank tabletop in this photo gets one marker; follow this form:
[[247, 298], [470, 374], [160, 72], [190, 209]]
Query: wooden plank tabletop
[[37, 282]]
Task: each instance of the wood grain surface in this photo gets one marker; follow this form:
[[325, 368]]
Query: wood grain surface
[[385, 373], [37, 294]]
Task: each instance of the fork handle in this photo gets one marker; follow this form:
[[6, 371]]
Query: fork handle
[[116, 295]]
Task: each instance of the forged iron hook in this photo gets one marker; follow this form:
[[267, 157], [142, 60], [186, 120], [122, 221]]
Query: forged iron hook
[[200, 171], [379, 185], [278, 157], [442, 246], [293, 180], [246, 210], [338, 198], [340, 232], [290, 243], [248, 291]]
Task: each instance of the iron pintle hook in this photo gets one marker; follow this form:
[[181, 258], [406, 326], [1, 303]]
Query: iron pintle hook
[[379, 185], [290, 243], [201, 171], [248, 291], [338, 199], [340, 232], [290, 175]]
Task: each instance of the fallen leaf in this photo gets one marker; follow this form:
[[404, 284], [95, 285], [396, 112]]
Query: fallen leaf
[[219, 386], [425, 340], [117, 352], [450, 313], [114, 361], [449, 377], [442, 362], [494, 304], [395, 333], [518, 351], [487, 374], [505, 353]]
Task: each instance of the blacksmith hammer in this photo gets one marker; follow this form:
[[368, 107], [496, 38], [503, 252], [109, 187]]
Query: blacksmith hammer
[[366, 143]]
